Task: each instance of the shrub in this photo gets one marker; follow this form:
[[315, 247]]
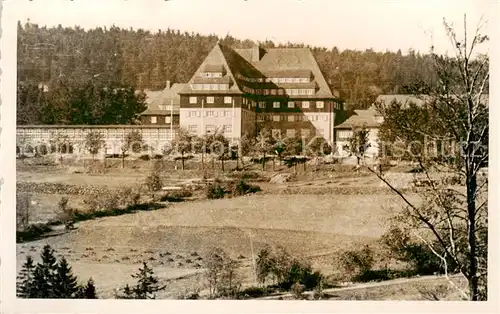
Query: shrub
[[243, 188], [215, 191], [355, 263], [418, 255], [253, 292], [176, 195], [128, 196], [153, 182]]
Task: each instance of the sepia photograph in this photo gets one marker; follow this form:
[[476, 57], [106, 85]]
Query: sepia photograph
[[248, 150]]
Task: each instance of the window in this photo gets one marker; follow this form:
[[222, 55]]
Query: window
[[291, 118], [325, 118], [153, 120], [305, 104], [227, 113], [310, 92], [276, 118], [210, 100], [320, 104], [168, 120], [305, 132], [210, 128], [280, 92], [290, 133], [193, 128], [295, 91], [289, 80], [227, 128], [206, 86], [288, 91], [262, 104], [266, 91], [228, 99], [296, 79], [344, 134], [223, 86], [273, 92], [304, 80], [193, 100], [276, 133], [291, 104], [302, 91], [276, 104], [210, 113]]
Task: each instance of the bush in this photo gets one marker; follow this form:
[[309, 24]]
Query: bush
[[102, 201], [32, 232], [215, 191], [153, 182], [253, 292], [356, 263], [418, 255], [242, 188], [176, 195]]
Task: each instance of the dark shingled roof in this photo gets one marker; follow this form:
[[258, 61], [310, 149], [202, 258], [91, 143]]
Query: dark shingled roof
[[273, 62], [212, 80], [166, 97]]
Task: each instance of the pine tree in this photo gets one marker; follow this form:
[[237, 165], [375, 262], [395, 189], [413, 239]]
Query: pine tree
[[147, 283], [44, 275], [65, 284], [87, 291], [125, 293], [25, 279]]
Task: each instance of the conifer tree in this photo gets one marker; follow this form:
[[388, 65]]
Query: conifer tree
[[65, 283], [25, 279], [44, 275], [147, 283], [87, 291]]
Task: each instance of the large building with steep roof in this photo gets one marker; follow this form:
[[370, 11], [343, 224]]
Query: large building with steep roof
[[241, 91]]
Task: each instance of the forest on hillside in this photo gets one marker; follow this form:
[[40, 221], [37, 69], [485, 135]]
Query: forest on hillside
[[140, 59]]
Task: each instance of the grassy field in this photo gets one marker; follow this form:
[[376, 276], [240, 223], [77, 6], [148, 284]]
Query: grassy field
[[110, 249]]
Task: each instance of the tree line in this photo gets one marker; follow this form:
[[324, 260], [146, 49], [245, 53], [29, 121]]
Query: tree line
[[82, 67]]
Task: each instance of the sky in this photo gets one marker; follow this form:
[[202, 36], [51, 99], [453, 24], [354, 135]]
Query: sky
[[355, 24]]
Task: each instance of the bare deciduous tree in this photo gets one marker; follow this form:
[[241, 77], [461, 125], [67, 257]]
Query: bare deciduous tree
[[452, 219]]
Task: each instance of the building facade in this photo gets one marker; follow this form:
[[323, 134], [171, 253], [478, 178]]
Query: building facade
[[242, 91], [30, 137]]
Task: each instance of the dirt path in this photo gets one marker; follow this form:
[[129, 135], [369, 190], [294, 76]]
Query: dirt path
[[360, 286]]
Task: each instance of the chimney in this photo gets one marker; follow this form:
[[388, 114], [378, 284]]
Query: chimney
[[168, 84], [255, 53]]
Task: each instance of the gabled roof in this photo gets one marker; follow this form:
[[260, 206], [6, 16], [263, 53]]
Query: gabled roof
[[418, 100], [271, 62], [301, 60], [360, 118], [166, 97], [216, 59], [151, 95]]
